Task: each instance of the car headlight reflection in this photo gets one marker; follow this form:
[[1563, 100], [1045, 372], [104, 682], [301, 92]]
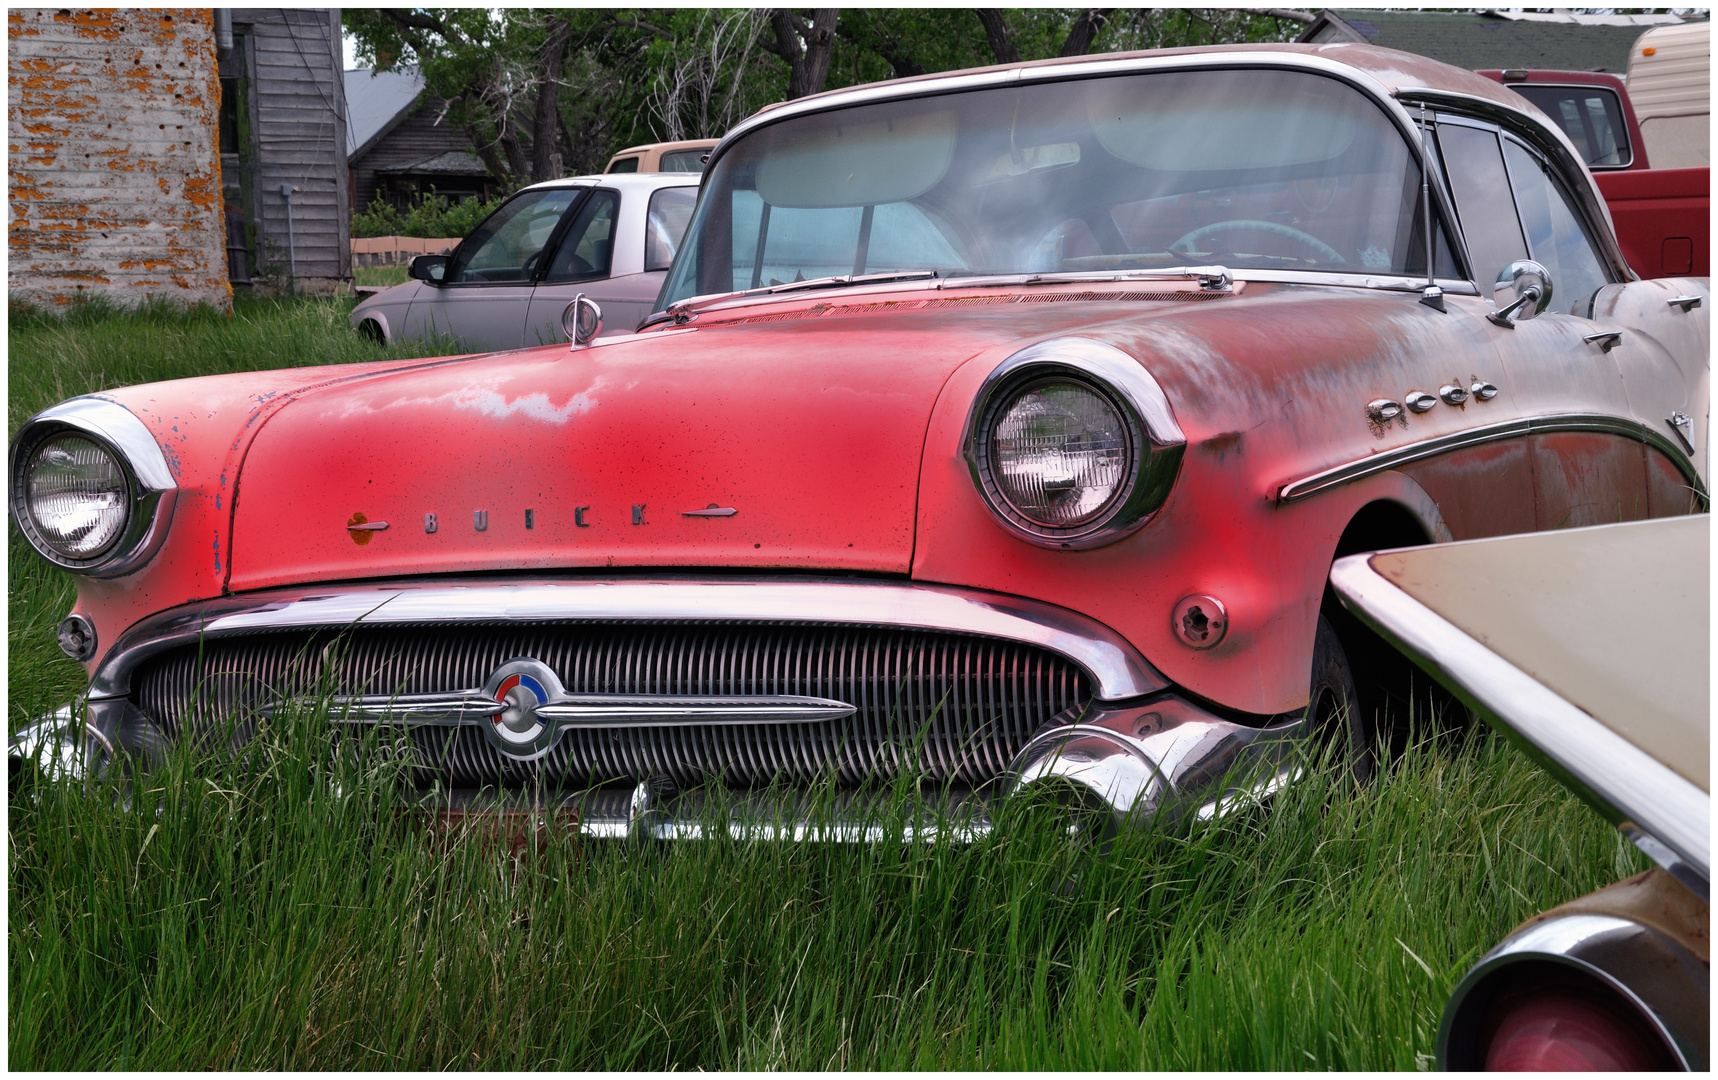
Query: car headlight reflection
[[1061, 452], [77, 496]]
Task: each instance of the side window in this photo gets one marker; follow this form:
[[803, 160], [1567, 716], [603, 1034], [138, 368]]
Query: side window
[[1480, 184], [1591, 116], [665, 225], [588, 248], [625, 164], [1554, 234], [683, 161], [509, 243]]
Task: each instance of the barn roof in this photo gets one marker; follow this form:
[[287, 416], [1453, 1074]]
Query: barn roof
[[375, 102]]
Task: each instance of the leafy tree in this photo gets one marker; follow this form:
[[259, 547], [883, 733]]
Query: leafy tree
[[541, 93]]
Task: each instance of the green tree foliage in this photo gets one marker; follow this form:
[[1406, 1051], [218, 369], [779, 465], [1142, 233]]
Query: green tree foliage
[[431, 216], [545, 93]]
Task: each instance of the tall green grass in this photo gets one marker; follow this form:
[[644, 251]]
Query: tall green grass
[[283, 911]]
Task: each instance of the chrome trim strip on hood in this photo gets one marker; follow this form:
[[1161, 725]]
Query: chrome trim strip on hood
[[1623, 782], [1116, 668]]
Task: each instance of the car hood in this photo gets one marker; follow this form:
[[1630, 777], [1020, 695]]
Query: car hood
[[788, 436], [809, 432]]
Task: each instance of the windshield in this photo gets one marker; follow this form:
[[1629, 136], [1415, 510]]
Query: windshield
[[1247, 168]]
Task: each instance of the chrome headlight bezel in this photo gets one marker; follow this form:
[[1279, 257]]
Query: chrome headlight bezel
[[1155, 440], [150, 487]]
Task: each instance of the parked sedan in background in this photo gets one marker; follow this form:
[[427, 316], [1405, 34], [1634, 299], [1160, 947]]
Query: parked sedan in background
[[610, 237], [1589, 649], [995, 430]]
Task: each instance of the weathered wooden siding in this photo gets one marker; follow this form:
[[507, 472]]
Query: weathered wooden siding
[[115, 178], [298, 123]]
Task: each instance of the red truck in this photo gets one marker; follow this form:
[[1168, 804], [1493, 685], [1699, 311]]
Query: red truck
[[1661, 215]]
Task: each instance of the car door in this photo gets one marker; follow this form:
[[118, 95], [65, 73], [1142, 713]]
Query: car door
[[582, 262], [484, 297], [1586, 468], [638, 232]]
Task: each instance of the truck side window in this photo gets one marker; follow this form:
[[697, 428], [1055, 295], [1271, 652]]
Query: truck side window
[[1481, 189], [1554, 233], [1591, 116]]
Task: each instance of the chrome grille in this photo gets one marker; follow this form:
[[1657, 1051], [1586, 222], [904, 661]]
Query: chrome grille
[[949, 707]]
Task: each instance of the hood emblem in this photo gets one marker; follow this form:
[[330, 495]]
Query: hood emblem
[[522, 730]]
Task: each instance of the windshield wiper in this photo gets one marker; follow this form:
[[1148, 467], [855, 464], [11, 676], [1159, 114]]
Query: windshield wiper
[[680, 311], [1209, 277], [844, 279]]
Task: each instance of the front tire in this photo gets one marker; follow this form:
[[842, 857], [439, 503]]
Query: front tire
[[1333, 712]]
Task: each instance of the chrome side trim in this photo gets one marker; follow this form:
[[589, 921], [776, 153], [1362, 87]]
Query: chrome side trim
[[1621, 781], [1116, 668], [152, 485], [1614, 951], [1398, 456], [1158, 440]]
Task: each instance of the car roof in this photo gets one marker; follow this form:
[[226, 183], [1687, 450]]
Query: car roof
[[1396, 71], [623, 181], [684, 144]]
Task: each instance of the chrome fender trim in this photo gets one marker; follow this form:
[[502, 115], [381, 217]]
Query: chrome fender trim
[[1116, 668], [1398, 456]]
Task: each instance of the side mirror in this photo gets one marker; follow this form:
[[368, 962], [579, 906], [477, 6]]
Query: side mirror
[[430, 268], [581, 320], [1523, 290]]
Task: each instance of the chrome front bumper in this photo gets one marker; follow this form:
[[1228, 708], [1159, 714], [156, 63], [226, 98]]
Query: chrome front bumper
[[1137, 751]]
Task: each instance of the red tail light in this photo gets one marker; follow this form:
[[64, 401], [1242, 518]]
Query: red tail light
[[1567, 1033]]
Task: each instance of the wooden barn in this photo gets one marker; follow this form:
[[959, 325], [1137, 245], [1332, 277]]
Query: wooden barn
[[283, 148], [399, 144]]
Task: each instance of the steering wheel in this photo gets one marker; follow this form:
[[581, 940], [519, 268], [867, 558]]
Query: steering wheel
[[1198, 236]]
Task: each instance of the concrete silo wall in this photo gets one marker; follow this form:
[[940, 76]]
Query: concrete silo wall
[[115, 178]]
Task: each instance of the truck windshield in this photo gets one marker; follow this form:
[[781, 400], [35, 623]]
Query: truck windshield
[[1255, 168]]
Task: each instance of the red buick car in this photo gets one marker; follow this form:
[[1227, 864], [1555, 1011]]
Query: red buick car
[[993, 429]]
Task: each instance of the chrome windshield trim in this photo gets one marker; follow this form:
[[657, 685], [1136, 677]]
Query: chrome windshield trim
[[693, 306], [1116, 668], [1398, 456], [1623, 782]]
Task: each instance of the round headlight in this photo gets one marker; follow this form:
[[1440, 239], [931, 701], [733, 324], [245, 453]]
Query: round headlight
[[77, 496], [1060, 453]]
